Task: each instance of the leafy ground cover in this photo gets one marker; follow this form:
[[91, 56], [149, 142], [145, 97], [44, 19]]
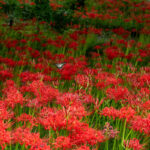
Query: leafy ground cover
[[75, 75]]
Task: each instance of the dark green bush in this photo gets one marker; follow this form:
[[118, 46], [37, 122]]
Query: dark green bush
[[42, 10]]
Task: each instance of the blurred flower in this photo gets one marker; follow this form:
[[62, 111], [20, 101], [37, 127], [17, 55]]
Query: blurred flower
[[134, 144]]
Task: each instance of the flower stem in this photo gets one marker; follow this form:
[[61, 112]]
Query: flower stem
[[124, 129]]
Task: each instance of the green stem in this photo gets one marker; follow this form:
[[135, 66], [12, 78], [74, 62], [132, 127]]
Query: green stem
[[128, 134], [114, 144], [23, 147], [124, 129], [10, 147], [106, 145], [16, 148], [93, 118]]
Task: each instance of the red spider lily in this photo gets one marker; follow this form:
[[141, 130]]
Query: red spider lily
[[24, 136], [32, 3], [24, 41], [73, 45], [49, 118], [2, 2], [111, 53], [94, 54], [102, 75], [134, 144], [13, 96], [145, 79], [60, 43], [90, 71], [84, 147], [97, 47], [86, 135], [39, 66], [86, 98], [83, 80], [55, 6], [68, 71], [5, 74], [66, 99], [122, 32], [125, 113], [5, 114], [74, 36], [133, 80], [35, 53], [122, 42], [59, 58], [36, 39], [63, 143], [24, 1], [92, 15], [141, 124], [29, 76], [43, 93], [11, 43], [146, 105], [117, 93], [76, 110], [5, 136], [47, 54], [22, 63], [40, 146], [27, 119], [110, 112], [10, 83], [129, 56], [144, 93], [144, 53], [95, 30], [105, 80], [8, 61], [80, 65]]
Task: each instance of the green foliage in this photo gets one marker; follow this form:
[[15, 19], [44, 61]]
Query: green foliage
[[42, 10], [61, 18], [73, 4]]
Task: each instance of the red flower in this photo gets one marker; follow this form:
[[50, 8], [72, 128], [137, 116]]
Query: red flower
[[5, 136], [26, 137], [13, 97], [119, 93], [86, 135], [26, 119], [141, 124], [68, 71], [97, 47], [127, 113], [110, 112], [50, 118], [146, 105], [4, 74], [35, 53], [66, 99], [83, 80], [43, 93], [74, 36], [134, 144], [73, 45], [84, 147], [63, 142]]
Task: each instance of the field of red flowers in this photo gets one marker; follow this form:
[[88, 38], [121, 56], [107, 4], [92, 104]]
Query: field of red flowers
[[74, 75]]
